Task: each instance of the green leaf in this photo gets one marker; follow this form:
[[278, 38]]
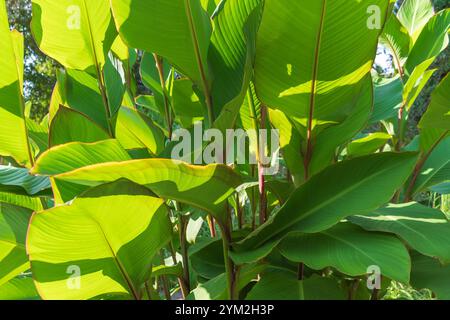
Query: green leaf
[[232, 53], [13, 131], [33, 203], [38, 134], [351, 250], [185, 103], [20, 288], [315, 77], [290, 144], [13, 229], [425, 229], [396, 38], [433, 40], [318, 204], [387, 100], [438, 112], [436, 168], [76, 33], [367, 145], [206, 258], [177, 30], [215, 289], [135, 130], [176, 270], [414, 14], [283, 285], [429, 273], [19, 178], [79, 91], [417, 81], [168, 179], [69, 125], [111, 250], [71, 156]]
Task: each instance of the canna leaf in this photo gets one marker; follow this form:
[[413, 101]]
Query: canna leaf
[[109, 235]]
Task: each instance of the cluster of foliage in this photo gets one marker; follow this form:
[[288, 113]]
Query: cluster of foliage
[[93, 207]]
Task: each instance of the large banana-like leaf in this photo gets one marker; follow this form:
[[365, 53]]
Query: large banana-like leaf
[[425, 229], [368, 144], [432, 40], [438, 112], [232, 52], [71, 156], [79, 90], [358, 186], [69, 125], [19, 288], [13, 131], [178, 30], [135, 130], [206, 187], [396, 38], [20, 179], [33, 203], [429, 273], [387, 99], [436, 168], [316, 76], [76, 33], [101, 244], [351, 250], [284, 285], [414, 14], [13, 228]]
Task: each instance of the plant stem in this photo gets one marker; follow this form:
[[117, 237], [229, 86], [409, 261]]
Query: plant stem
[[164, 282], [184, 252], [183, 286], [229, 265], [211, 225], [167, 109]]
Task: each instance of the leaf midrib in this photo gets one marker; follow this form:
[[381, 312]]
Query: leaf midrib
[[116, 260], [327, 202]]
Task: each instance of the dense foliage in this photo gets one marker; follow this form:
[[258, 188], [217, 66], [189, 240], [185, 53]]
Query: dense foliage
[[93, 204]]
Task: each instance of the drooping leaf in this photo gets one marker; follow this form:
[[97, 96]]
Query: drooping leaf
[[425, 229], [103, 242]]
